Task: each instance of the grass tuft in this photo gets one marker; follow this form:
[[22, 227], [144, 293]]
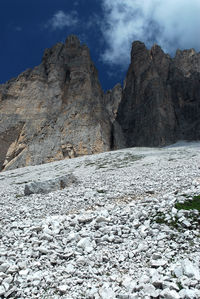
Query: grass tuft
[[193, 204]]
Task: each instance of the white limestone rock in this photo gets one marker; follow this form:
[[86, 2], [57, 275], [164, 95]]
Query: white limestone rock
[[2, 290], [189, 293], [169, 294], [106, 292], [50, 185], [190, 270], [53, 240]]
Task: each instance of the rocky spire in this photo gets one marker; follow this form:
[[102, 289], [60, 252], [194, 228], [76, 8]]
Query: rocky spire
[[160, 102], [56, 111], [72, 41]]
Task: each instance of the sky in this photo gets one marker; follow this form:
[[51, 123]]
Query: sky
[[108, 27]]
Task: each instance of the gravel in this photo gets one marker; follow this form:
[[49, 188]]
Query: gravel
[[115, 233]]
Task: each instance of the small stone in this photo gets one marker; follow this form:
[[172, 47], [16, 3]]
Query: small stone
[[2, 290], [158, 263], [170, 285], [85, 219], [144, 279], [102, 219], [178, 271], [22, 265], [24, 272], [189, 293], [4, 267], [8, 279], [46, 237], [106, 292], [3, 275], [6, 285], [150, 291], [10, 292], [169, 294], [190, 270], [86, 244], [70, 268], [43, 250], [12, 269], [73, 237], [63, 289], [123, 296], [156, 256], [129, 283], [161, 236], [151, 191], [174, 211], [186, 223]]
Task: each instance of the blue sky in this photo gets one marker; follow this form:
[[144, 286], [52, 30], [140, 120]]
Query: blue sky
[[108, 27]]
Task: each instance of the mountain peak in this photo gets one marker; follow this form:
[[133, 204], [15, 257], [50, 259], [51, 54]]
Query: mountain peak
[[72, 41], [58, 110]]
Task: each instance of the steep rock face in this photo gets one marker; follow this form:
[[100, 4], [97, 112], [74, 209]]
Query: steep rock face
[[58, 110], [112, 100], [161, 98], [188, 61], [54, 111]]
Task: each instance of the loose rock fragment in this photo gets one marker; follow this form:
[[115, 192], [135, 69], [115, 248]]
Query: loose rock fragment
[[50, 185]]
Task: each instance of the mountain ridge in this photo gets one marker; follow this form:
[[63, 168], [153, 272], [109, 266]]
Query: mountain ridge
[[58, 110]]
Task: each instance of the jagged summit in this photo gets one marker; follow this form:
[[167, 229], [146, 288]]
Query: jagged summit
[[161, 99], [188, 61], [58, 109], [72, 41], [54, 111]]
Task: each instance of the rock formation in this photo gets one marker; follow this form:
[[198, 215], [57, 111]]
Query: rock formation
[[161, 98], [50, 185], [58, 110], [54, 111], [112, 100]]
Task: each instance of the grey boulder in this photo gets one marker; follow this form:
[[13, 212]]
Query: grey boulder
[[43, 187]]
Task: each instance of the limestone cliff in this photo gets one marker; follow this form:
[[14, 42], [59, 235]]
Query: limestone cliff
[[54, 111], [58, 110], [161, 98]]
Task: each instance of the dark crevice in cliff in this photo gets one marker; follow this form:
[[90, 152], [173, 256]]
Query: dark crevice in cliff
[[67, 76], [112, 143]]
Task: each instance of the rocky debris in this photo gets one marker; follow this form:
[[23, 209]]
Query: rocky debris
[[49, 185], [55, 111], [160, 99], [107, 237]]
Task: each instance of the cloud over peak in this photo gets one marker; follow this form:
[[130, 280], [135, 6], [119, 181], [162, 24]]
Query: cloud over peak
[[61, 20], [171, 24]]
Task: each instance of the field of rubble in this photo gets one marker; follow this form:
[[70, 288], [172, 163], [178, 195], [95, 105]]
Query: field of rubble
[[123, 224]]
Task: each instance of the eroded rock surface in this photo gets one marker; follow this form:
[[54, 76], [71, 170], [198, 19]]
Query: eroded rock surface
[[54, 111], [50, 185], [161, 97], [58, 110]]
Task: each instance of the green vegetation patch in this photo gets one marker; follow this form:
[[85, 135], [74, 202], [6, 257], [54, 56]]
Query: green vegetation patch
[[192, 204], [19, 195], [193, 217], [173, 223], [101, 191]]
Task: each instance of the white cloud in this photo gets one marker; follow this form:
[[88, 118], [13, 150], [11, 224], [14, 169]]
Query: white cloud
[[60, 20], [170, 23]]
